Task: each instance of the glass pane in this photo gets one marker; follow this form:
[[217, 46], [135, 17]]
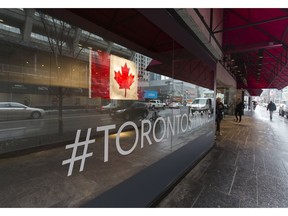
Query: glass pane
[[94, 113]]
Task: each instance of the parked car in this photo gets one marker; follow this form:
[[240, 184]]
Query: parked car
[[152, 104], [283, 109], [174, 105], [13, 110], [202, 105], [189, 104], [107, 108], [130, 110]]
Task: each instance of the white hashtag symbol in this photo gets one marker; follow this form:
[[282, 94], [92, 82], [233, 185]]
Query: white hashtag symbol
[[82, 157]]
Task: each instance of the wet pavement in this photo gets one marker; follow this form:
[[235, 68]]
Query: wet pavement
[[248, 167]]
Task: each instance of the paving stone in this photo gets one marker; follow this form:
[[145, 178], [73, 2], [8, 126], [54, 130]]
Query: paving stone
[[252, 169], [211, 198]]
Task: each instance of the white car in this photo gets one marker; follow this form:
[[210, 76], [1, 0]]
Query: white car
[[107, 108], [202, 105], [175, 105], [152, 104], [13, 110], [189, 104], [283, 109]]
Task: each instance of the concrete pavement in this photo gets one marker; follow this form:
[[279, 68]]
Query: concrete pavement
[[248, 168]]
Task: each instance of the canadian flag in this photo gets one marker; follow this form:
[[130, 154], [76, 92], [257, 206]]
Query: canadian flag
[[99, 74], [112, 77], [123, 79]]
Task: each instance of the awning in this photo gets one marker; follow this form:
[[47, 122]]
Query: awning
[[255, 47]]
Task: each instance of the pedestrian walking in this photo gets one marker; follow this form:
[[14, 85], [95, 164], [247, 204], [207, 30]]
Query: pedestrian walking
[[239, 110], [271, 107], [219, 115]]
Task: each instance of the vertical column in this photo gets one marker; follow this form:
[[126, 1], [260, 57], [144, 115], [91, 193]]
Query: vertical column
[[27, 28]]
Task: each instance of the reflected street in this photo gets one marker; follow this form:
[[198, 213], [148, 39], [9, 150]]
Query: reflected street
[[72, 122]]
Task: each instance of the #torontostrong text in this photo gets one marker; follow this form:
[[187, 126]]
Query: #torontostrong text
[[179, 124]]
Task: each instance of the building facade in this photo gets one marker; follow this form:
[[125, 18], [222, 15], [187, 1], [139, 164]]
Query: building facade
[[57, 135]]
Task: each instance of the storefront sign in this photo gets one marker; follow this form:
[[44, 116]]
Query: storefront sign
[[150, 94]]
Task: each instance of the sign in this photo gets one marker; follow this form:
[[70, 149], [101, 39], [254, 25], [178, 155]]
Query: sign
[[150, 94], [170, 126]]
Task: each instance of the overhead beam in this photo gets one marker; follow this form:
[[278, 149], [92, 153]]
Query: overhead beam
[[270, 45], [251, 24]]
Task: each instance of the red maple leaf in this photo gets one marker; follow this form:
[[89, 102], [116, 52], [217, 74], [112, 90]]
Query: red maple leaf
[[125, 80]]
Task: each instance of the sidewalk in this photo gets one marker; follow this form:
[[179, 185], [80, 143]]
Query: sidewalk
[[247, 168]]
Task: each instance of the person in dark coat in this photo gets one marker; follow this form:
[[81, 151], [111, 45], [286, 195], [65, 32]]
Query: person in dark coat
[[219, 115], [271, 107], [239, 110]]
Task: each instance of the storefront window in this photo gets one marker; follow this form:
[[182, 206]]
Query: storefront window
[[79, 119]]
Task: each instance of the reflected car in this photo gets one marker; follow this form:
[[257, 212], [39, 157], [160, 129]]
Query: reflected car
[[174, 105], [13, 110], [107, 108], [130, 110], [202, 105]]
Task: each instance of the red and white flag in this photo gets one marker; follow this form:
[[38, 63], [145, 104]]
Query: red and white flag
[[99, 74], [123, 79]]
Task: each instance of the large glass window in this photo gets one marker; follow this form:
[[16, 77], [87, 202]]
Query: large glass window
[[77, 120]]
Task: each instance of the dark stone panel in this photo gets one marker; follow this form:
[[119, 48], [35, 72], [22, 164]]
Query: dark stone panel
[[245, 185], [211, 198], [219, 176], [275, 167], [230, 145], [272, 191], [228, 157], [183, 196], [245, 159], [248, 203], [259, 165]]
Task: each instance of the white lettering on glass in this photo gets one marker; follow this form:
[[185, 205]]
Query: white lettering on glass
[[82, 157], [154, 129], [146, 134], [120, 150], [106, 138], [162, 128]]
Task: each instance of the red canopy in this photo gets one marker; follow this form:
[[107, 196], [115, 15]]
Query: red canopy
[[255, 46]]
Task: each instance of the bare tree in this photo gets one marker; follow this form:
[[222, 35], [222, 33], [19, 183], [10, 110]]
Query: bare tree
[[63, 40]]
